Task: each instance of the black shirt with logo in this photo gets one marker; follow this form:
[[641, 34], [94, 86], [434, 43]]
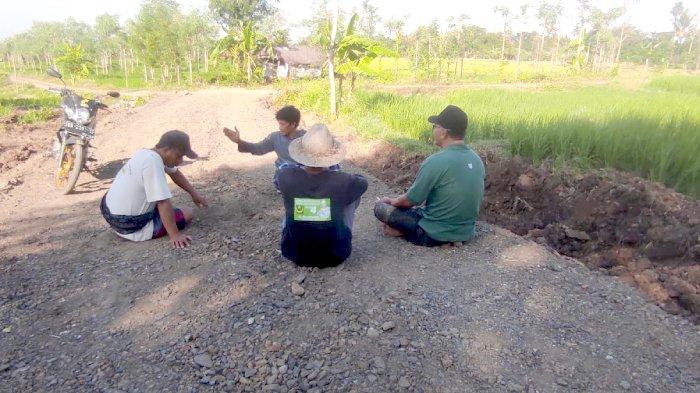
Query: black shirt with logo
[[315, 232]]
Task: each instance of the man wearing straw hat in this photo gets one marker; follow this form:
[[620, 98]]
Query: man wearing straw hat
[[450, 185], [319, 204]]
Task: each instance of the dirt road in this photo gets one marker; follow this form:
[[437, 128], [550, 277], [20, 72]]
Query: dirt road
[[82, 310]]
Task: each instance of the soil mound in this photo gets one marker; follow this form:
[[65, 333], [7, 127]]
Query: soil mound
[[638, 230]]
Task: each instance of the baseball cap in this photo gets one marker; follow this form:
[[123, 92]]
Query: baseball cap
[[178, 140], [451, 118]]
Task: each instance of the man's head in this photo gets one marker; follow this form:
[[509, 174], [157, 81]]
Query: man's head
[[173, 145], [450, 125], [288, 119]]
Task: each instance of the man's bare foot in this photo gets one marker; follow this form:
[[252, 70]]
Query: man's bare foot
[[389, 231]]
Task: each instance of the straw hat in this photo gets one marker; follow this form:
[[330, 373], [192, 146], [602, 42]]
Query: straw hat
[[317, 148]]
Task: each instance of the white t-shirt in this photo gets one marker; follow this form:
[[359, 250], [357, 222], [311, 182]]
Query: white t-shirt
[[136, 189]]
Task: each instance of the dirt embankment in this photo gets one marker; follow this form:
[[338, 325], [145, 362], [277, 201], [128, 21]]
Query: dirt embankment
[[629, 227]]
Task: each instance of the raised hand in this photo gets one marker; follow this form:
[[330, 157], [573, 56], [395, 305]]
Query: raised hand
[[234, 135]]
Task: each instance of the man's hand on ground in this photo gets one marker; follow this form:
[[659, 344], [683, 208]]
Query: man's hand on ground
[[234, 135], [180, 240], [200, 201]]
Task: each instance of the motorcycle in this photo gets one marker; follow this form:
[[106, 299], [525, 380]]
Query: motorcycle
[[70, 145]]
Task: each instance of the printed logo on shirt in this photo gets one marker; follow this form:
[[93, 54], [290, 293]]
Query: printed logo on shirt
[[470, 166], [308, 209]]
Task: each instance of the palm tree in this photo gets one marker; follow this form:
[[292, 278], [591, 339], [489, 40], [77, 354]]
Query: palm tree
[[682, 27]]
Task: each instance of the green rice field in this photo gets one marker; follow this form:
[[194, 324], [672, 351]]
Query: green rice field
[[653, 131]]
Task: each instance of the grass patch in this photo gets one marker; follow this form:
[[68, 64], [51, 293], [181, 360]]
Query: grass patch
[[654, 134], [36, 116], [403, 70], [33, 105], [688, 84]]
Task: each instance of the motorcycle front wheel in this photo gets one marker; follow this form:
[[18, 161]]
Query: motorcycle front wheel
[[70, 165]]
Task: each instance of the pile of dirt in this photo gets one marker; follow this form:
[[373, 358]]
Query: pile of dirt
[[20, 142], [10, 156], [629, 227]]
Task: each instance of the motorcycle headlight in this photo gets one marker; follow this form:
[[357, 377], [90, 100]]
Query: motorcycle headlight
[[80, 115]]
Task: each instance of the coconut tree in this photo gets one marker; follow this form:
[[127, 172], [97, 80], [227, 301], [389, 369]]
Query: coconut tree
[[682, 27]]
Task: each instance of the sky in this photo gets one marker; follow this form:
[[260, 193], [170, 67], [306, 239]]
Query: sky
[[649, 15]]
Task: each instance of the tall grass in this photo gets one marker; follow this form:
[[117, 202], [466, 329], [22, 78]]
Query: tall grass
[[403, 70], [653, 134], [677, 83]]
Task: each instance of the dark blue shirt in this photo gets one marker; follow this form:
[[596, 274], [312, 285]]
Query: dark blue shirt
[[315, 232]]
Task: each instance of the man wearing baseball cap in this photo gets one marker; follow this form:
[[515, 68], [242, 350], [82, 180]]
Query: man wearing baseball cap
[[137, 205], [443, 203]]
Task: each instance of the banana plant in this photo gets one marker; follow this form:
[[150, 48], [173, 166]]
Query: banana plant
[[241, 48], [354, 53]]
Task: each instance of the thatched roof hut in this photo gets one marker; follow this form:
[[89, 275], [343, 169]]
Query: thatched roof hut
[[301, 56]]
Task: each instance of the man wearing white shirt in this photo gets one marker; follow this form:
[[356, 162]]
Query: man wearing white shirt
[[137, 205]]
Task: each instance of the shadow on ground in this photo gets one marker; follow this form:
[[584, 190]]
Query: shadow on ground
[[89, 311]]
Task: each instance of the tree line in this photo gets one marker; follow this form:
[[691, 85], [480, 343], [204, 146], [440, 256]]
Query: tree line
[[162, 44]]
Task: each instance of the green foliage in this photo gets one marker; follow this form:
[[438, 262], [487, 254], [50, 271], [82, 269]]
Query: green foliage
[[74, 62], [224, 72], [653, 134], [688, 84], [355, 54], [401, 70], [36, 115], [241, 49], [161, 43], [155, 33], [48, 38], [140, 101], [232, 14], [31, 105]]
